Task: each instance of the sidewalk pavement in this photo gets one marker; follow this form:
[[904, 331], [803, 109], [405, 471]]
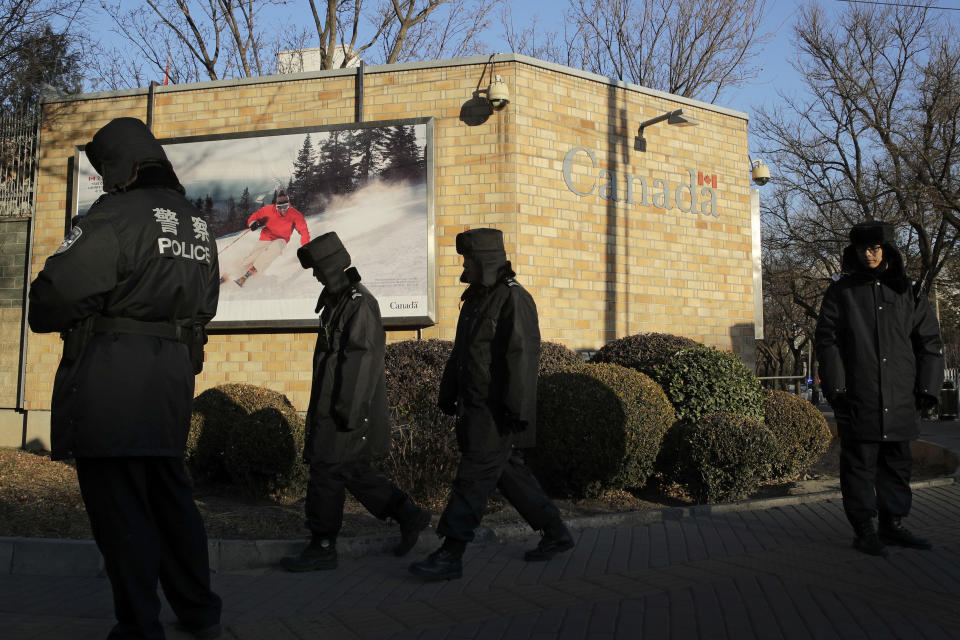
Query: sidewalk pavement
[[779, 568]]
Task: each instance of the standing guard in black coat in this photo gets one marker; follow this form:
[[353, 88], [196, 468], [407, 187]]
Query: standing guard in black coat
[[881, 362], [490, 384], [131, 289], [347, 423]]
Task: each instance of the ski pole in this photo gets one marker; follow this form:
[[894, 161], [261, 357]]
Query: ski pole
[[234, 242]]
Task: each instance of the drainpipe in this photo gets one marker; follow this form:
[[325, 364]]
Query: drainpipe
[[150, 96], [359, 98]]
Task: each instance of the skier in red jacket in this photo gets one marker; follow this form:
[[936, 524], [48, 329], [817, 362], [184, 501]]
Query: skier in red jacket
[[276, 223]]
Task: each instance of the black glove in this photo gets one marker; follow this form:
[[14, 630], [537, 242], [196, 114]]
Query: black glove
[[514, 424], [342, 422], [840, 402], [928, 406], [256, 224], [449, 407]]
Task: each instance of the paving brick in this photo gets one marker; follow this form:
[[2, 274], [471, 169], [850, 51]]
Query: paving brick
[[811, 585]]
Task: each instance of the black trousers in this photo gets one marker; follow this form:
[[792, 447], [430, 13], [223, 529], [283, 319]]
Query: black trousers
[[477, 476], [326, 493], [875, 479], [148, 528]]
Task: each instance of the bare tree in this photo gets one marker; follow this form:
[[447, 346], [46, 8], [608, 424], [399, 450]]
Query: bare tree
[[876, 137], [192, 40], [399, 30], [451, 28], [21, 21], [692, 48], [189, 41]]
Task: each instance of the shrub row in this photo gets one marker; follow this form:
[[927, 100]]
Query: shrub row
[[651, 403]]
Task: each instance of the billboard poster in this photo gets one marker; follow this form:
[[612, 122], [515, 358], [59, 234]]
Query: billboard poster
[[372, 183]]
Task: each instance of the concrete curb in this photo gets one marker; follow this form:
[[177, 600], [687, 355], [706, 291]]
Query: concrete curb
[[81, 558]]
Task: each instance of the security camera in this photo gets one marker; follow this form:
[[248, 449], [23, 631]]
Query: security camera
[[760, 173], [498, 94]]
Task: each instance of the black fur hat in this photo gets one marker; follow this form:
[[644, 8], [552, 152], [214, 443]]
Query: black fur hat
[[480, 240], [873, 232], [485, 249]]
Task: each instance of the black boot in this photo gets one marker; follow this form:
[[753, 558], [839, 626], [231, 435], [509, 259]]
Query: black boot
[[867, 540], [443, 564], [892, 532], [412, 520], [320, 554], [556, 539]]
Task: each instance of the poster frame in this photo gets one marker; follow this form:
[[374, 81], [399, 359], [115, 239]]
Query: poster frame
[[426, 318]]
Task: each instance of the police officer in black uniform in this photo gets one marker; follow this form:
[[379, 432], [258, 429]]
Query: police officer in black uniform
[[130, 289], [347, 424], [881, 361], [490, 384]]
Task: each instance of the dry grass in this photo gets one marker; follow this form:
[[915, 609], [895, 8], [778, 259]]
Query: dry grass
[[40, 498]]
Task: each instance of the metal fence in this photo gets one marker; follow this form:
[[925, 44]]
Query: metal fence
[[19, 136]]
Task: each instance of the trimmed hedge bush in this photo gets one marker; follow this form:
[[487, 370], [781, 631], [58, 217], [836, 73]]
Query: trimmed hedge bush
[[599, 428], [802, 433], [723, 456], [556, 357], [703, 380], [643, 351], [424, 457], [249, 437]]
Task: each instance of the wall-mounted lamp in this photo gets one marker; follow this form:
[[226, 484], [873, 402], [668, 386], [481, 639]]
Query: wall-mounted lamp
[[498, 94], [672, 117], [760, 173]]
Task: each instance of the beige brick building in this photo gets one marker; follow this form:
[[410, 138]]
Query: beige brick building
[[610, 241]]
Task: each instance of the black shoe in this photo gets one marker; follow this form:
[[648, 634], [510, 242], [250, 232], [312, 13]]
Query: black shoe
[[202, 633], [318, 556], [412, 521], [556, 539], [439, 565], [869, 543], [892, 532]]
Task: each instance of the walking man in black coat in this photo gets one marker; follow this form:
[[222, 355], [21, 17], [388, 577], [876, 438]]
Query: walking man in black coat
[[130, 289], [490, 384], [881, 362], [347, 424]]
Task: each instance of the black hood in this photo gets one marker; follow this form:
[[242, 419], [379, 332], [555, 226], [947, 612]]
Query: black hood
[[126, 155], [329, 257], [484, 247]]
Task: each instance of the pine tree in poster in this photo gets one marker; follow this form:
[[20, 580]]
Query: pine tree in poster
[[301, 185], [367, 150], [334, 170], [404, 157], [244, 206]]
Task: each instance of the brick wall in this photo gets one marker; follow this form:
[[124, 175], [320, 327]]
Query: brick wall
[[610, 267], [597, 268]]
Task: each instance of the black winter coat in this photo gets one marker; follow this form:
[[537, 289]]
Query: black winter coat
[[880, 342], [145, 255], [491, 376], [347, 417]]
